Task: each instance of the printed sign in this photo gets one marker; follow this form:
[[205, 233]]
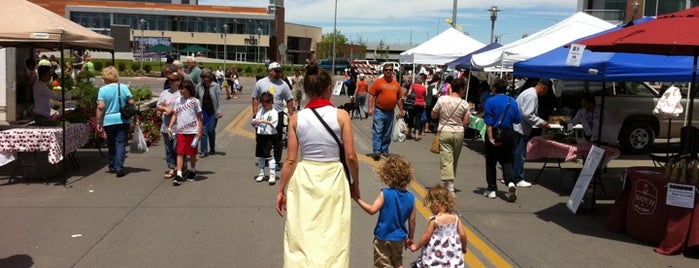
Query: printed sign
[[594, 157], [680, 195], [338, 88], [575, 55]]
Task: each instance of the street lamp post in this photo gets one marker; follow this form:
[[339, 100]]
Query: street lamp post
[[143, 22], [225, 37], [493, 16], [334, 38], [453, 16]]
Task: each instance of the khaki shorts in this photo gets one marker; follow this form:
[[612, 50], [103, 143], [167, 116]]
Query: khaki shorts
[[388, 253]]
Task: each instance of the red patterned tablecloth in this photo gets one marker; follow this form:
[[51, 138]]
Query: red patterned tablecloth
[[43, 139], [539, 147]]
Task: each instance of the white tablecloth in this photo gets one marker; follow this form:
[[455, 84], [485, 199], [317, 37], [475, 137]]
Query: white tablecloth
[[42, 139]]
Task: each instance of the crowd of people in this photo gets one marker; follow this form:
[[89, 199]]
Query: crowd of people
[[318, 176]]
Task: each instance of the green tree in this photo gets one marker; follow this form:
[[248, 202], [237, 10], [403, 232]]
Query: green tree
[[325, 46]]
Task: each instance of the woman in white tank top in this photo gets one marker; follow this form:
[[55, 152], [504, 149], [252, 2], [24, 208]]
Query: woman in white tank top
[[314, 193]]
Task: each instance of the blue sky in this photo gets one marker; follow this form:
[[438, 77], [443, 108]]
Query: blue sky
[[411, 22]]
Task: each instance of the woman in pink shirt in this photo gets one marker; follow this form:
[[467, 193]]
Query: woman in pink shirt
[[415, 113]]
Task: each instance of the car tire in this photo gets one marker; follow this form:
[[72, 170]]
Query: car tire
[[636, 138]]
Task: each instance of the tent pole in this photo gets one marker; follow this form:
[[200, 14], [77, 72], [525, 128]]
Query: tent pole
[[693, 89], [468, 82], [63, 118]]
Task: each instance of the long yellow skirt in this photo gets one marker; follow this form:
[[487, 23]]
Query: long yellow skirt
[[317, 229]]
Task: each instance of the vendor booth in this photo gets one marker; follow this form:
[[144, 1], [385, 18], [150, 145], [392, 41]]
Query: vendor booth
[[658, 205], [35, 27]]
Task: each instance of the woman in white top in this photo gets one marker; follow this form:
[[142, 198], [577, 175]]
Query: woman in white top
[[317, 202], [452, 111]]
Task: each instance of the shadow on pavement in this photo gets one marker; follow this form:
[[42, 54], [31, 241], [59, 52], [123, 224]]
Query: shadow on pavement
[[17, 261]]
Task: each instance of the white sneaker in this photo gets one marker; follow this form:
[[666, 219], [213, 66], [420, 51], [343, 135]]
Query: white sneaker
[[524, 184], [489, 194], [449, 185], [260, 178], [512, 192], [272, 179]]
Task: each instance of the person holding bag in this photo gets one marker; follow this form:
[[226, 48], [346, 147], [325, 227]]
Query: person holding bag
[[110, 99], [452, 112], [501, 112], [315, 191]]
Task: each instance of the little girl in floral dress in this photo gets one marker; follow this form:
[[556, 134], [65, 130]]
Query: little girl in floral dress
[[444, 242]]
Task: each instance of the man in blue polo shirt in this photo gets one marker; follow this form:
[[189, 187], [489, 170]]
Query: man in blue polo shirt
[[500, 111]]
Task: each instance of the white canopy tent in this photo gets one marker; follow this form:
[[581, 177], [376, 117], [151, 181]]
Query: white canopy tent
[[574, 27], [445, 47]]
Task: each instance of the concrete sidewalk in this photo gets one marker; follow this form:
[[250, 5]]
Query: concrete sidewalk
[[226, 219]]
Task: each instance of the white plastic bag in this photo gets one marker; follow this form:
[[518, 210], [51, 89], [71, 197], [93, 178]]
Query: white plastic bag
[[669, 106], [398, 127], [138, 142]]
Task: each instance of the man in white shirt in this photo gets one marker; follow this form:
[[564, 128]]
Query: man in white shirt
[[43, 95], [588, 117]]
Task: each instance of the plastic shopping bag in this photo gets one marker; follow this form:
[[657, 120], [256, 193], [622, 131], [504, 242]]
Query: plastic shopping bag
[[398, 126], [669, 106], [138, 142]]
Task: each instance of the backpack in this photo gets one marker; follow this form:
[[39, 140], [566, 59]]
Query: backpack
[[409, 102], [431, 98]]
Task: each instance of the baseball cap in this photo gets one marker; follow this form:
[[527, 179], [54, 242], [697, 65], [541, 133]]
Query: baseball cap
[[546, 82], [274, 66]]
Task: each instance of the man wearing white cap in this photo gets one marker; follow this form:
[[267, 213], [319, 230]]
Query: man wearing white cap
[[282, 95]]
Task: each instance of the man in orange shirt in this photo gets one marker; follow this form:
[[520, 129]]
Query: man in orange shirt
[[385, 93]]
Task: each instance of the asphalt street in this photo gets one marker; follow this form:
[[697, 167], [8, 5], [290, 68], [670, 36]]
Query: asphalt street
[[226, 219]]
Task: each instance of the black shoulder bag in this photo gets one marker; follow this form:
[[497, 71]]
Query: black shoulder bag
[[503, 135], [128, 110], [342, 147]]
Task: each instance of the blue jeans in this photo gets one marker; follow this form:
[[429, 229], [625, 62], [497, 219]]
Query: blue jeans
[[381, 130], [519, 155], [170, 150], [208, 136], [116, 143]]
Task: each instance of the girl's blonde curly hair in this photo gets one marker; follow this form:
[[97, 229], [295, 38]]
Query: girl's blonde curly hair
[[395, 171], [440, 196]]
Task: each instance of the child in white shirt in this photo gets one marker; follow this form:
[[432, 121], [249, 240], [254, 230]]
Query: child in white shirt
[[265, 123]]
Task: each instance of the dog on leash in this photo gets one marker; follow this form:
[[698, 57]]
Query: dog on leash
[[352, 108]]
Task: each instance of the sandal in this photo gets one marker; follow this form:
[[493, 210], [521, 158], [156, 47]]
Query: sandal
[[169, 174]]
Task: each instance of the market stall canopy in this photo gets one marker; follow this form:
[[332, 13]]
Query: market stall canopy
[[669, 34], [465, 61], [195, 49], [574, 27], [27, 24], [445, 47], [607, 66], [160, 48]]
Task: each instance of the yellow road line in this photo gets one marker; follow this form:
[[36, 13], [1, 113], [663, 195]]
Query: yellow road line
[[236, 126]]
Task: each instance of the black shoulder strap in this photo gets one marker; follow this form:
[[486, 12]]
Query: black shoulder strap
[[342, 148], [339, 144], [119, 93], [502, 116]]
